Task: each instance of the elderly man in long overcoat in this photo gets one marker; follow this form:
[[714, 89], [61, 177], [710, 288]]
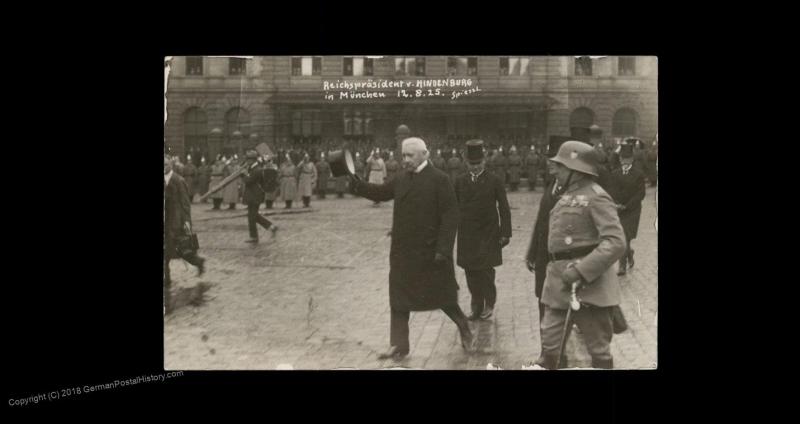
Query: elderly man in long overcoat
[[424, 225]]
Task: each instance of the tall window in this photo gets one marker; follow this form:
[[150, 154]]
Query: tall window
[[195, 132], [457, 66], [237, 66], [514, 65], [627, 65], [237, 119], [357, 125], [583, 66], [582, 117], [194, 65], [357, 66], [624, 123], [409, 66], [306, 125], [307, 65]]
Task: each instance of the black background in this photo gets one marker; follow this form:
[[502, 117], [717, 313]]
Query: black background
[[84, 272]]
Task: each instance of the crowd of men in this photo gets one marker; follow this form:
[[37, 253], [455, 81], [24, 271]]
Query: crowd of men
[[588, 216]]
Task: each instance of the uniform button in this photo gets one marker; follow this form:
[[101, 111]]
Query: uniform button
[[568, 240]]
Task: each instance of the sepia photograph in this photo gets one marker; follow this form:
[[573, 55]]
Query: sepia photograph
[[377, 212]]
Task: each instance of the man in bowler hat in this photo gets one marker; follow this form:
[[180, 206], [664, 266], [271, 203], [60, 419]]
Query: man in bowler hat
[[482, 232], [627, 187]]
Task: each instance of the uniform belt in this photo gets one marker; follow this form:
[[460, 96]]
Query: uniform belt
[[572, 253]]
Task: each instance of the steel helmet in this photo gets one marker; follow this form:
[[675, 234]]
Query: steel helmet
[[577, 156]]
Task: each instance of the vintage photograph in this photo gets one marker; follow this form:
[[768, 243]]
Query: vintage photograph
[[410, 212]]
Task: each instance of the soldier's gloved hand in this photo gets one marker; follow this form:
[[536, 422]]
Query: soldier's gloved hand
[[187, 227], [570, 275], [439, 258], [531, 267], [504, 242]]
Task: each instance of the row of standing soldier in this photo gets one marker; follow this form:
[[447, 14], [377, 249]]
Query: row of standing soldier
[[509, 166]]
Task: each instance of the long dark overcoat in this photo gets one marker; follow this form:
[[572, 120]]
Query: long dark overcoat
[[537, 250], [424, 222], [628, 190]]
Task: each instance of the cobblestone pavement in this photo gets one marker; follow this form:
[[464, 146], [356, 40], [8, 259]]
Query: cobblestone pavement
[[315, 296]]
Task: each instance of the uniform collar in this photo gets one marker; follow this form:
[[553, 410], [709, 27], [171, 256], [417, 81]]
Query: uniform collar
[[578, 185], [167, 177], [421, 167]]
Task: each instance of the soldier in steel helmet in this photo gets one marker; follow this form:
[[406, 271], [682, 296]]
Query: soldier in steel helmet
[[585, 240]]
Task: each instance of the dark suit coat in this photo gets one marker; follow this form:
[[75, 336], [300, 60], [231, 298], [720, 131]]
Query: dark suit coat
[[537, 249], [270, 179], [628, 190], [480, 227], [424, 222], [177, 211], [254, 186]]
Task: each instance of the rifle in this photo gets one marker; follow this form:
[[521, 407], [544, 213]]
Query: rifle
[[245, 166]]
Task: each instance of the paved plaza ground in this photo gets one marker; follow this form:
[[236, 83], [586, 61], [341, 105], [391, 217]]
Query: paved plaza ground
[[316, 296]]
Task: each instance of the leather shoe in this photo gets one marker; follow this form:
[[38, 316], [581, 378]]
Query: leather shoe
[[395, 353], [487, 313], [201, 267], [252, 240]]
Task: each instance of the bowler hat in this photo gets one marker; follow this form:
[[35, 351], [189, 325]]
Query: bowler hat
[[475, 151]]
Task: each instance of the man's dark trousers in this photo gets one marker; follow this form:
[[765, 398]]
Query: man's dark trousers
[[399, 325], [254, 217], [481, 288]]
